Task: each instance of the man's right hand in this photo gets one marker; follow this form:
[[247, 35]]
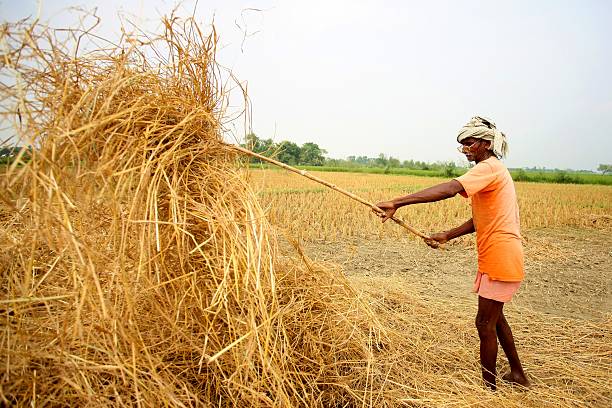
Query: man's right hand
[[388, 207], [437, 239]]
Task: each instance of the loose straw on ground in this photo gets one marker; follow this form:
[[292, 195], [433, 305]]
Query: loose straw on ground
[[333, 187]]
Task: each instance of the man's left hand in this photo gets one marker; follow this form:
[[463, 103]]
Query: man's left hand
[[388, 207], [437, 239]]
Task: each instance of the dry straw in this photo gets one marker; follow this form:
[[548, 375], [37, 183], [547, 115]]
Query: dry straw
[[138, 269], [137, 266]]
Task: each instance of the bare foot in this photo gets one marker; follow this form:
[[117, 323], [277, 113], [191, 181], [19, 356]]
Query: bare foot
[[516, 378]]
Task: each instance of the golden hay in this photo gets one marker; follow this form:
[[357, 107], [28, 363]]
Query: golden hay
[[138, 268], [137, 265]]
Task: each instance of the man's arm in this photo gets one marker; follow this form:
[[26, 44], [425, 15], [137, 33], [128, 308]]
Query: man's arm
[[429, 195], [465, 228], [443, 237]]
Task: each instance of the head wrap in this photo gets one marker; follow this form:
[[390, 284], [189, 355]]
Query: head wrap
[[482, 128]]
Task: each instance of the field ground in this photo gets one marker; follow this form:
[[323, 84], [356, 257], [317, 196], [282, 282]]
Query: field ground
[[566, 231], [561, 316], [567, 271]]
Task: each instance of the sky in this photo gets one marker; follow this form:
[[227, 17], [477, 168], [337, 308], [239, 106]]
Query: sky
[[402, 77]]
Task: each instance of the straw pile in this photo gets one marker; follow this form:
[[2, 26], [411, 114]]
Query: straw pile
[[137, 267]]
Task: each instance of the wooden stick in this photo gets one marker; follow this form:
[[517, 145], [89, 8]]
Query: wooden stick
[[330, 185]]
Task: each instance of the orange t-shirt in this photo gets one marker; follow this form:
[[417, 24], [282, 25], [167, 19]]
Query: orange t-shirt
[[496, 220]]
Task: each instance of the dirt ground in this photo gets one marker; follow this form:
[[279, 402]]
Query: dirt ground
[[568, 272]]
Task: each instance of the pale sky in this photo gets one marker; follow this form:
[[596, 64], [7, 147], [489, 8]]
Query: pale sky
[[401, 77]]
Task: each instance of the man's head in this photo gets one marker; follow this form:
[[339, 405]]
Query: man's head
[[483, 130], [475, 149]]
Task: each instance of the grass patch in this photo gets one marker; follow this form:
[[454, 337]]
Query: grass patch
[[555, 177]]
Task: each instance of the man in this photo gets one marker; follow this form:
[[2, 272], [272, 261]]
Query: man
[[495, 220]]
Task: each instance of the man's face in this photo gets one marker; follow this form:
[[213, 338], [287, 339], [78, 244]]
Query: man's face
[[474, 148]]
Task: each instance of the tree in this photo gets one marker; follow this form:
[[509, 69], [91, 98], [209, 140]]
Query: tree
[[381, 160], [257, 145], [605, 168], [252, 142], [393, 162], [363, 160], [311, 154], [450, 169], [289, 152], [409, 164]]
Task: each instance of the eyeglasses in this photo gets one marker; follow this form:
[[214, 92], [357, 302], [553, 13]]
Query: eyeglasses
[[468, 146]]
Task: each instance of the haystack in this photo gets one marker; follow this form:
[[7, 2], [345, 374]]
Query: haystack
[[137, 266]]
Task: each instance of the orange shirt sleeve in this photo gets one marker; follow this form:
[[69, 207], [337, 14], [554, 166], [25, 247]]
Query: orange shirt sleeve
[[476, 179]]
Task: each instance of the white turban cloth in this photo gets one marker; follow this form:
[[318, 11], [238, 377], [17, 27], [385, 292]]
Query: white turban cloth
[[482, 128]]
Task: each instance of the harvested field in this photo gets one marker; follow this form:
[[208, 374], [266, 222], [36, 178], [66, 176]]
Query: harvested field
[[324, 214], [563, 308], [139, 268]]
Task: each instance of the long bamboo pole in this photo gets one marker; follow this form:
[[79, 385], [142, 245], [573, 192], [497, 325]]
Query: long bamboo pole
[[332, 186]]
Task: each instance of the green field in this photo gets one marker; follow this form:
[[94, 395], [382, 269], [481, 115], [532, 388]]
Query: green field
[[540, 176]]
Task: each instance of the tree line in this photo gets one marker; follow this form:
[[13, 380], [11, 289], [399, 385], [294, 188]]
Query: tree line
[[308, 154], [383, 161]]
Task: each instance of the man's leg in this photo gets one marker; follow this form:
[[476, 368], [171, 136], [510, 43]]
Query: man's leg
[[504, 334], [489, 312]]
